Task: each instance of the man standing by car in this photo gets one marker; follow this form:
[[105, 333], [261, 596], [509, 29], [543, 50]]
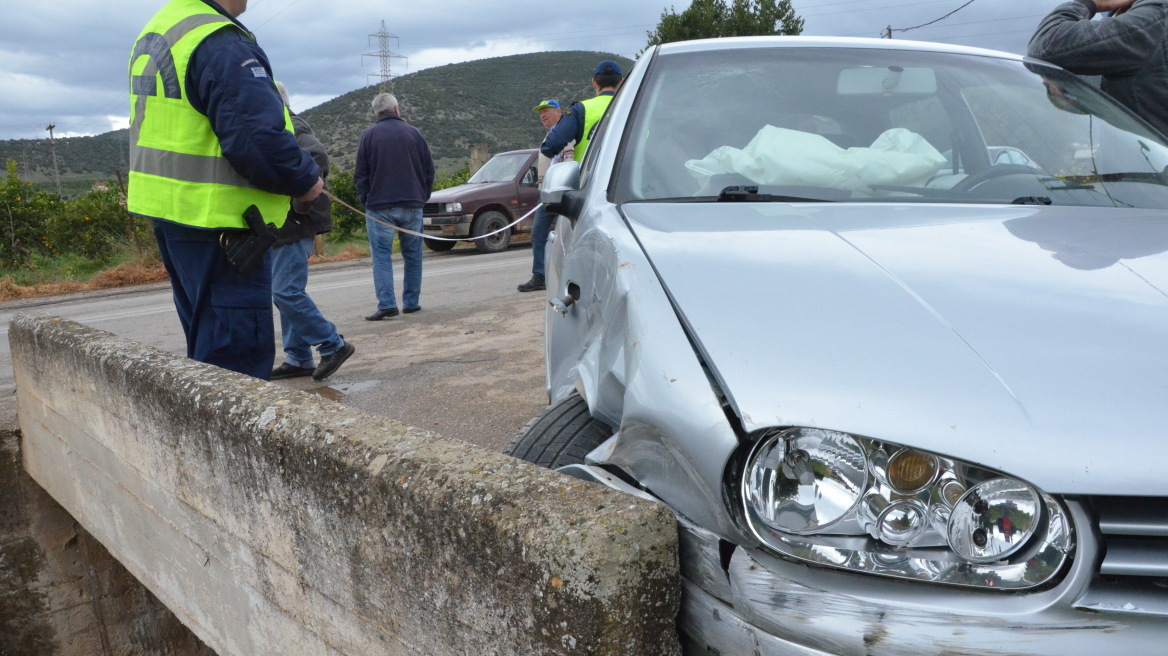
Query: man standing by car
[[1128, 50], [549, 114], [210, 138], [578, 120], [394, 176], [301, 324]]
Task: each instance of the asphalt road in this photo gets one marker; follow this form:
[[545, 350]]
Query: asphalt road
[[468, 366]]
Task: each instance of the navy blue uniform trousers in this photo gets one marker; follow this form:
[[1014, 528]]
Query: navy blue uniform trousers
[[227, 317]]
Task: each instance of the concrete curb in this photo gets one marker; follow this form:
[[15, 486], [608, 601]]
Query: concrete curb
[[275, 522]]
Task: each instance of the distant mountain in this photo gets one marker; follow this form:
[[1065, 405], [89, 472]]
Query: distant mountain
[[488, 101]]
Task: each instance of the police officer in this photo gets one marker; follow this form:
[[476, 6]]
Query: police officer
[[210, 137], [579, 120]]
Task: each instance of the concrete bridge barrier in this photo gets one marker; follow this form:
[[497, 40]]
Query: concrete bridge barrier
[[272, 521]]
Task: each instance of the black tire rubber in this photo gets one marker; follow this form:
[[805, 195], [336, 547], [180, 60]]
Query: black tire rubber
[[491, 221], [561, 435], [439, 246]]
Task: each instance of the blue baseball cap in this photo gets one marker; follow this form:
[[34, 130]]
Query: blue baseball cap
[[607, 67], [550, 102]]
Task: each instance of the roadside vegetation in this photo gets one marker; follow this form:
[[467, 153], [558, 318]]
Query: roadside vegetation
[[52, 245]]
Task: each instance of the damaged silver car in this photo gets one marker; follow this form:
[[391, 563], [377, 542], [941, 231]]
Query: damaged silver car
[[904, 395]]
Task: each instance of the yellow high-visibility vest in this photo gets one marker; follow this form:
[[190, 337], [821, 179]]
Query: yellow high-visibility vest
[[593, 111], [177, 168]]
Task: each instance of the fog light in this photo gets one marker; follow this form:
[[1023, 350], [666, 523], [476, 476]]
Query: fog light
[[994, 520], [902, 523]]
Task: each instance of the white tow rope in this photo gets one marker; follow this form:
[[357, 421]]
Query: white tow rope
[[419, 234]]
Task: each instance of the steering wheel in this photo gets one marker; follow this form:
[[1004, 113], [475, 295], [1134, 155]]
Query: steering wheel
[[991, 172]]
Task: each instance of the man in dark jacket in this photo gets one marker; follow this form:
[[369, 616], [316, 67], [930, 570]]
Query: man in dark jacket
[[394, 176], [1127, 49], [301, 323]]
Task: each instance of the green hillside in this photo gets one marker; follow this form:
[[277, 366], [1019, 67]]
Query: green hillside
[[487, 101]]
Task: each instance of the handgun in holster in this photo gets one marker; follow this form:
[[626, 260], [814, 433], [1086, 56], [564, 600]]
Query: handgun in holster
[[245, 250]]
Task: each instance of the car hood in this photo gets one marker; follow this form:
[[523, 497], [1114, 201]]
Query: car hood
[[1029, 339], [464, 192]]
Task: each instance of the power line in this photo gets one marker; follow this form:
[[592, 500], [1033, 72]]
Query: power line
[[905, 29]]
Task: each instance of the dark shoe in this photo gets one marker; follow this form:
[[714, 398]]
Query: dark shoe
[[330, 363], [382, 314], [286, 370], [533, 285], [412, 310]]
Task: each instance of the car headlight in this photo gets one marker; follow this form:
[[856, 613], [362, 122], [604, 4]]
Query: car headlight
[[864, 505], [452, 208]]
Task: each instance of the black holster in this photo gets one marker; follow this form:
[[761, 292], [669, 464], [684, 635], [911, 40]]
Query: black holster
[[245, 250]]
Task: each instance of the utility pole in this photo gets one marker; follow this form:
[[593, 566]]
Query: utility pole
[[888, 32], [385, 55], [53, 149]]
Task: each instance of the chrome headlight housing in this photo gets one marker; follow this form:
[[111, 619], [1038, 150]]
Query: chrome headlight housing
[[452, 208], [865, 505]]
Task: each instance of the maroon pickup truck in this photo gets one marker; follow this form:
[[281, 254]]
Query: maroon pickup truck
[[497, 194]]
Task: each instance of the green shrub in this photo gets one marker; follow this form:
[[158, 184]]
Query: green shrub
[[25, 216]]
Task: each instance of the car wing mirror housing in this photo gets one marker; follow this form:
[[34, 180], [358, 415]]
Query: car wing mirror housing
[[560, 193]]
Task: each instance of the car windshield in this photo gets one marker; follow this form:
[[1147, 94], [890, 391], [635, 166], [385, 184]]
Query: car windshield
[[797, 124], [500, 168]]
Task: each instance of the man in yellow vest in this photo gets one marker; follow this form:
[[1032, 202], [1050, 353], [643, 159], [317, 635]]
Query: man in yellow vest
[[578, 121], [210, 138]]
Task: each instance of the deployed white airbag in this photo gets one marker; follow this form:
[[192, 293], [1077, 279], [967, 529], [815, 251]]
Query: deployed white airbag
[[782, 157]]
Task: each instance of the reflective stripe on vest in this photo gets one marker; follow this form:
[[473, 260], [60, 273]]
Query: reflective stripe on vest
[[593, 111], [177, 168]]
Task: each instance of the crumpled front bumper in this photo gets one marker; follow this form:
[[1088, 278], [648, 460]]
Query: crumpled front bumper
[[761, 605]]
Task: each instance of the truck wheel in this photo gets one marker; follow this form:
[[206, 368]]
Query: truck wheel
[[560, 435], [490, 222], [439, 246]]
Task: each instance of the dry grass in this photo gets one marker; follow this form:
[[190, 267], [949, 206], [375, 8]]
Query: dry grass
[[133, 273], [122, 275]]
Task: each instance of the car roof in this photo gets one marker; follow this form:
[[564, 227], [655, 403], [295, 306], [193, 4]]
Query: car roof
[[733, 43], [525, 151]]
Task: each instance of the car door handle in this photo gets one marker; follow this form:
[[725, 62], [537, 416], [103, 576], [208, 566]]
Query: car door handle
[[562, 304]]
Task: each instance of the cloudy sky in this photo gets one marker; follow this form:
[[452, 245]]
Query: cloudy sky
[[64, 61]]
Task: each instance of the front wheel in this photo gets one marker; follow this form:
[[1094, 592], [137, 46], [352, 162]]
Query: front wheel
[[488, 222], [561, 435], [438, 246]]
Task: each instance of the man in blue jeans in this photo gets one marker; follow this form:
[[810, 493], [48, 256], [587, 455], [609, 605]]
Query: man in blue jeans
[[549, 114], [301, 323], [394, 175]]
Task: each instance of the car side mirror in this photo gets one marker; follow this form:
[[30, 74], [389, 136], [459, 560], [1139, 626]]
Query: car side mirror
[[560, 184]]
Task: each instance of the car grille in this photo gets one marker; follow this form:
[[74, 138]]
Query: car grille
[[1135, 536], [1133, 573], [431, 208]]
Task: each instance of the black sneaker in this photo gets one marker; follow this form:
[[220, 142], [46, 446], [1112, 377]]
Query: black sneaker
[[330, 363], [286, 370], [382, 314], [533, 285]]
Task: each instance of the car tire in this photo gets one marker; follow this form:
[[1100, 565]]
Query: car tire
[[489, 222], [439, 246], [561, 435]]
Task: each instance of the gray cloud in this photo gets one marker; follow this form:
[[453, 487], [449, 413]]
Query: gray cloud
[[66, 63]]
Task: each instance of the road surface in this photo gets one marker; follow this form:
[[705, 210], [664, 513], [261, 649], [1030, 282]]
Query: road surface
[[468, 366]]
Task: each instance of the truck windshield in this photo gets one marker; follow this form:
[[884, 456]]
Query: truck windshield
[[891, 126], [500, 168]]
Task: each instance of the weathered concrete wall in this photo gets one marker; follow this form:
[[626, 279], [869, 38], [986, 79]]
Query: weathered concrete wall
[[61, 593], [274, 522]]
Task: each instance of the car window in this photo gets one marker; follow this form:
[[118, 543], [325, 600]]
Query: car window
[[876, 125], [500, 168]]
